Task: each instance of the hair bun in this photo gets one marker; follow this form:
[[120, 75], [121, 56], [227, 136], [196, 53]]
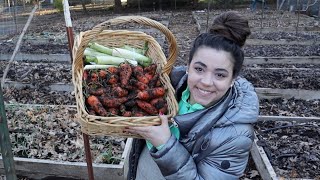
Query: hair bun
[[231, 25]]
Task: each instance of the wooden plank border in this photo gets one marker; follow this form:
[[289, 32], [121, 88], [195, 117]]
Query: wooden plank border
[[282, 60], [270, 93], [38, 169], [281, 42]]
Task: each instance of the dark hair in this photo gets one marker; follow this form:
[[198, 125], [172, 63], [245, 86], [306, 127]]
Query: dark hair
[[228, 32]]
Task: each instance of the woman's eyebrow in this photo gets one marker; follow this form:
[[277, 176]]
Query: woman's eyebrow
[[222, 69], [200, 63]]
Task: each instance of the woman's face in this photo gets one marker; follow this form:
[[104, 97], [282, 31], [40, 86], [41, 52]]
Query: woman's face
[[209, 75]]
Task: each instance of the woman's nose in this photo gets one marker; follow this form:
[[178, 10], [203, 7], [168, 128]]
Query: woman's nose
[[207, 80]]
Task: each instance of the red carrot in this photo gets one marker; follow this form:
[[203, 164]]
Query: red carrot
[[158, 83], [112, 102], [153, 81], [137, 69], [138, 114], [94, 77], [141, 86], [150, 71], [97, 91], [158, 103], [96, 105], [131, 103], [140, 77], [126, 113], [125, 73], [151, 93], [119, 92], [113, 111], [147, 107], [112, 79], [113, 70], [85, 75], [103, 74], [164, 109]]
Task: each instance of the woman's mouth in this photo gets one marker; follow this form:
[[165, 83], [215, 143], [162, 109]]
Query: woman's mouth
[[204, 92]]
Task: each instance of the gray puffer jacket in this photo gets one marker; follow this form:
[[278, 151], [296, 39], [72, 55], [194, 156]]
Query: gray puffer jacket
[[214, 142]]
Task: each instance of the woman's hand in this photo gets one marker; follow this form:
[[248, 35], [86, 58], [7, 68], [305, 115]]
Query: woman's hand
[[156, 135]]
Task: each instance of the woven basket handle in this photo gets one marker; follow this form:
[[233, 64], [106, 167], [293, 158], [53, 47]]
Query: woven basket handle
[[173, 51]]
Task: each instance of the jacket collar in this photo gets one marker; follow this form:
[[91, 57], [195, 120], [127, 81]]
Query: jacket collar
[[239, 105]]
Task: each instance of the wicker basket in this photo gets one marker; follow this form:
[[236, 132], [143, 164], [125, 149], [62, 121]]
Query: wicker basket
[[113, 126]]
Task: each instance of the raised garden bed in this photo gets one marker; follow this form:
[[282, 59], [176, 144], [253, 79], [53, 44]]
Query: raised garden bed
[[281, 50], [287, 148], [48, 137], [282, 78]]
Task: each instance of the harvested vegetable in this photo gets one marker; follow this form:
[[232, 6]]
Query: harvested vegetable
[[112, 101], [151, 93], [97, 66], [125, 74], [119, 91], [124, 90], [147, 107], [96, 105], [141, 86], [125, 54]]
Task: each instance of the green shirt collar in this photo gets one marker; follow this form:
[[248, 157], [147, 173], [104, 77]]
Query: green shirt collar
[[185, 107]]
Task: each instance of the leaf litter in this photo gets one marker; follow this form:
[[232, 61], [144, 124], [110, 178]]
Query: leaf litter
[[52, 133]]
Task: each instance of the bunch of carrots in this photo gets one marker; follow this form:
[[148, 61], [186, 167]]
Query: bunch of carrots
[[125, 90]]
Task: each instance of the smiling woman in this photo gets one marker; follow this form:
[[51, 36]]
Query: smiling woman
[[210, 76], [212, 134]]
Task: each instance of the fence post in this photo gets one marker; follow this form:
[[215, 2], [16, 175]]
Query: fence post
[[5, 143]]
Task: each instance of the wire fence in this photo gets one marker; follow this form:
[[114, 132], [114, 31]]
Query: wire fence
[[13, 17]]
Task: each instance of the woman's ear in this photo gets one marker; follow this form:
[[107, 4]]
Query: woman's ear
[[187, 69], [232, 83]]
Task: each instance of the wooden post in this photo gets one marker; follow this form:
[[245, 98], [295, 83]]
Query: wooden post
[[88, 156], [5, 143], [67, 19], [71, 43]]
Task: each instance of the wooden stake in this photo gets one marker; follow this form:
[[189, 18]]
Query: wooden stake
[[71, 43], [88, 156], [5, 143], [67, 19]]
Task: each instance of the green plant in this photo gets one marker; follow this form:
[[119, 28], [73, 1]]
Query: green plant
[[58, 5]]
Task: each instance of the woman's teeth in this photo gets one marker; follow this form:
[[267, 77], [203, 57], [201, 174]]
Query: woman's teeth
[[203, 91]]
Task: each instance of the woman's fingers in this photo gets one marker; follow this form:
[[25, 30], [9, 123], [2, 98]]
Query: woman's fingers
[[164, 119], [137, 130]]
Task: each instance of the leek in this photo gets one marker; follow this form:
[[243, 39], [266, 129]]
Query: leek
[[97, 66], [100, 48], [137, 50], [119, 52], [92, 52], [108, 60]]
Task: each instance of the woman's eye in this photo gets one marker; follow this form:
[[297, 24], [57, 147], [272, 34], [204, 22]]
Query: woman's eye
[[221, 75], [198, 69]]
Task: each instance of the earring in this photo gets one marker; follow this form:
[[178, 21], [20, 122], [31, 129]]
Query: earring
[[186, 72]]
